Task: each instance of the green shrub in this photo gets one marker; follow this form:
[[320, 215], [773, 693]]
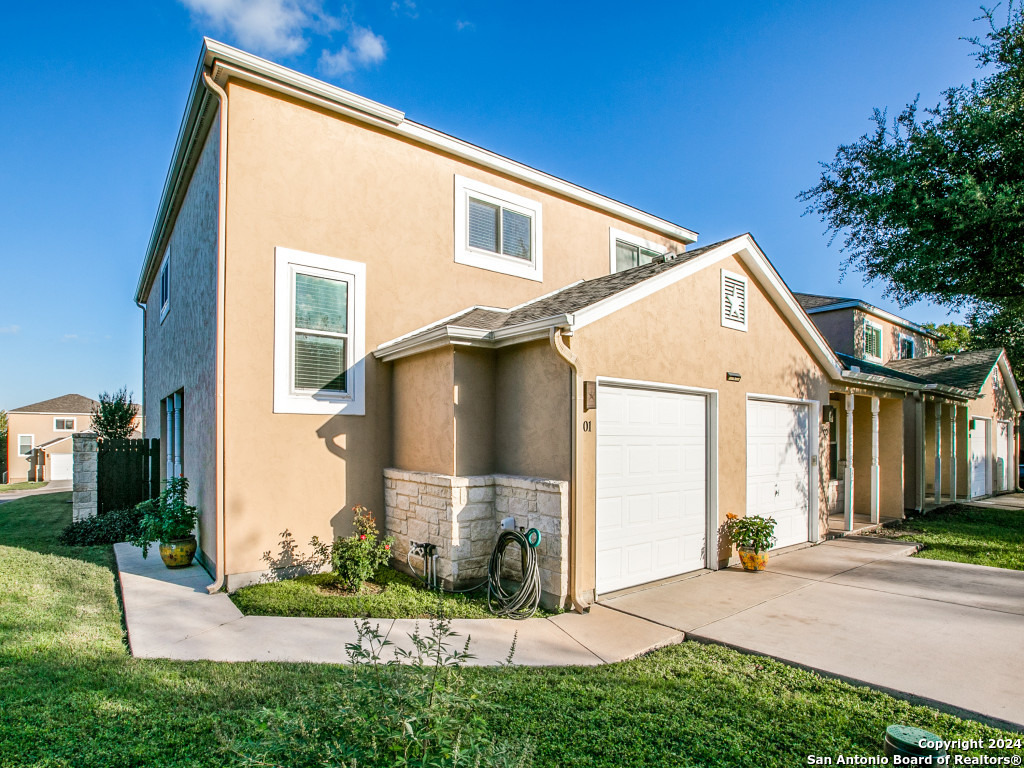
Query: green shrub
[[753, 531], [167, 517], [355, 559], [106, 528]]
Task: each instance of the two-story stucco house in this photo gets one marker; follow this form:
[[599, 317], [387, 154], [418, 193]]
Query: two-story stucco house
[[344, 306], [39, 437]]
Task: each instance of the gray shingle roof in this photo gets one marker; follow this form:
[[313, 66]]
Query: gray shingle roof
[[814, 301], [849, 361], [570, 299], [62, 404], [967, 370]]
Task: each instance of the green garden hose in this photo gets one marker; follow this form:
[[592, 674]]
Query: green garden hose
[[523, 602]]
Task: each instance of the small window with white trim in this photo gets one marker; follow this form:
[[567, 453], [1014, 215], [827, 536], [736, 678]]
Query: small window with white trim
[[164, 285], [627, 251], [25, 444], [319, 327], [734, 301], [497, 230], [63, 425], [906, 347], [872, 341]]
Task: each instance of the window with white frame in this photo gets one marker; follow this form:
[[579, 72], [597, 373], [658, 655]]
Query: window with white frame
[[497, 230], [872, 341], [164, 285], [906, 347], [63, 425], [734, 301], [25, 444], [319, 328], [627, 251]]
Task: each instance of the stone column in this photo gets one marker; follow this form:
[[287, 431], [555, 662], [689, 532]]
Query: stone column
[[848, 474], [938, 453], [875, 407], [85, 471]]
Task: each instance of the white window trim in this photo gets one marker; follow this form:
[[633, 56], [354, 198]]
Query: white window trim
[[729, 322], [474, 257], [913, 342], [353, 403], [165, 306], [72, 419], [31, 448], [626, 237], [881, 343]]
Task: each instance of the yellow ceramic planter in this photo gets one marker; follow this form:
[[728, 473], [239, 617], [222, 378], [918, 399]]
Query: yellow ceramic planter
[[178, 553], [752, 561]]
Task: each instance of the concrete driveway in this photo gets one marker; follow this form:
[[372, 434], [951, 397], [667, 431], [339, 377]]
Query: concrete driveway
[[858, 608], [56, 486]]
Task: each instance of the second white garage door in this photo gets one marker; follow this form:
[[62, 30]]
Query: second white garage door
[[651, 485], [778, 467], [60, 465]]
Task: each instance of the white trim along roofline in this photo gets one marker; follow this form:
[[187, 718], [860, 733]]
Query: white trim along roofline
[[873, 310], [1004, 368], [224, 62]]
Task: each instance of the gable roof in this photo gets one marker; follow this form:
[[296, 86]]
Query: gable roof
[[967, 370], [224, 62], [73, 404], [814, 303], [49, 443], [583, 302]]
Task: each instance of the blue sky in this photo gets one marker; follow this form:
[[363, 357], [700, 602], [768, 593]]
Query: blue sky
[[711, 115]]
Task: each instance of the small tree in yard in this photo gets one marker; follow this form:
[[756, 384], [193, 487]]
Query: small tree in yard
[[115, 415]]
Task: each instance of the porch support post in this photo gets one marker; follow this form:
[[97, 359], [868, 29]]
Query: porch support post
[[919, 480], [952, 451], [938, 453], [875, 407], [848, 474]]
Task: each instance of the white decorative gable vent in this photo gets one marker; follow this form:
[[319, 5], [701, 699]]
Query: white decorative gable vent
[[734, 301]]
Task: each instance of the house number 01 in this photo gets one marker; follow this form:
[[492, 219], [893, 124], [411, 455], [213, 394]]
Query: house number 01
[[586, 426]]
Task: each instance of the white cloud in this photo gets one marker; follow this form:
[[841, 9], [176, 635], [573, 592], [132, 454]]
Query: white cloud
[[461, 25], [70, 337], [364, 49], [9, 330], [408, 7], [270, 27]]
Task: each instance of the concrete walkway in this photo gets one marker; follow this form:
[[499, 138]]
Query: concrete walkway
[[55, 486], [169, 615], [947, 634]]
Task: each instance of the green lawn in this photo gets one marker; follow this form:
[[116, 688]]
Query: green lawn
[[963, 534], [70, 695], [402, 597], [27, 486]]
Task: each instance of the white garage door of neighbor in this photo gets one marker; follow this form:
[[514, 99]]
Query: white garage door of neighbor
[[60, 465], [1003, 452], [778, 467], [651, 485], [979, 457]]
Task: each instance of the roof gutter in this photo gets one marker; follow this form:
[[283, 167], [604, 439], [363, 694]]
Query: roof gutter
[[222, 98], [906, 386]]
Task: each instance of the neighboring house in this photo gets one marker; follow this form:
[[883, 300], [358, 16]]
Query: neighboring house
[[346, 307], [39, 437], [960, 427]]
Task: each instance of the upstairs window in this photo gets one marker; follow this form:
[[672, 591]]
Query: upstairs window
[[319, 319], [628, 251], [165, 285], [25, 444], [734, 301], [63, 425], [872, 341], [497, 230], [906, 348]]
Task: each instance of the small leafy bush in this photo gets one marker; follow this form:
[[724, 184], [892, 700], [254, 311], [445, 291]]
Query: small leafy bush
[[106, 528], [356, 558], [753, 531], [167, 517]]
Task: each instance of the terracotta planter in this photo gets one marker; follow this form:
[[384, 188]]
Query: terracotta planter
[[752, 561], [179, 552]]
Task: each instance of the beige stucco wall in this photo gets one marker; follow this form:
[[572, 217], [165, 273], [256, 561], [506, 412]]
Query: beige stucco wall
[[424, 438], [40, 425], [837, 328], [316, 182], [694, 350], [533, 418], [996, 404], [474, 412], [181, 350], [844, 330]]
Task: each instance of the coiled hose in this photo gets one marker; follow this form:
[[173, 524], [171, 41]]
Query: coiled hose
[[522, 603]]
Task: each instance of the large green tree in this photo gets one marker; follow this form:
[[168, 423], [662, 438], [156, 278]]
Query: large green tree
[[114, 416], [932, 204]]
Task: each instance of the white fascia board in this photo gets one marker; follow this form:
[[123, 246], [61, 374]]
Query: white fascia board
[[451, 335], [881, 313], [437, 324], [1009, 379]]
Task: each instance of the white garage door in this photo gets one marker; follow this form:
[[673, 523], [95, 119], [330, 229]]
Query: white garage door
[[1003, 453], [778, 467], [651, 485], [979, 457], [60, 465]]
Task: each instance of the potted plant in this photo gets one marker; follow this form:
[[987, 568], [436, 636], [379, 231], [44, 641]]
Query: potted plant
[[753, 536], [171, 521]]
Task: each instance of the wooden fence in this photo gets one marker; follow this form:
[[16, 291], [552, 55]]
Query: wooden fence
[[128, 471]]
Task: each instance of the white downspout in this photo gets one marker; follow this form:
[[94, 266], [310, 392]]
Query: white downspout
[[222, 98], [566, 354]]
